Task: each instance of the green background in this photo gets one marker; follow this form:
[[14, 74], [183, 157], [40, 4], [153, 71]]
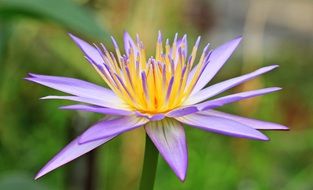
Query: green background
[[33, 38]]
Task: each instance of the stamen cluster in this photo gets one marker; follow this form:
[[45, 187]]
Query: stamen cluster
[[156, 85]]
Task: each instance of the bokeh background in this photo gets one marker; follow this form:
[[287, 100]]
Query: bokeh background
[[33, 38]]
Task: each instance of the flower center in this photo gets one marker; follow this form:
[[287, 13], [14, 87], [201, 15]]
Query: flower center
[[157, 85]]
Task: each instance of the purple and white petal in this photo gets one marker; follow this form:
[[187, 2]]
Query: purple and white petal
[[90, 51], [72, 151], [225, 85], [216, 60], [97, 102], [168, 136], [97, 109], [76, 87], [256, 124], [178, 112], [104, 129], [211, 104], [222, 126]]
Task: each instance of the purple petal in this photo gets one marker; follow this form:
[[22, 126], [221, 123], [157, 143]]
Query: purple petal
[[225, 85], [256, 124], [96, 109], [160, 37], [69, 153], [185, 42], [222, 126], [90, 51], [168, 136], [182, 111], [154, 117], [157, 117], [76, 87], [114, 43], [211, 104], [129, 43], [105, 129], [217, 59], [97, 102]]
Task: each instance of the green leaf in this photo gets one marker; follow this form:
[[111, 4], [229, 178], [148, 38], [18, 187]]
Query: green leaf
[[63, 12]]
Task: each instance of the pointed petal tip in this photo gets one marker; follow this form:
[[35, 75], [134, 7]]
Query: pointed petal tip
[[264, 138], [169, 138], [259, 136], [43, 171], [182, 177], [126, 33], [268, 68], [126, 36], [114, 42], [234, 42], [28, 78], [180, 172], [73, 37], [284, 128], [160, 38], [45, 98], [65, 107], [276, 88], [72, 151], [259, 92], [31, 75], [239, 38], [38, 175], [281, 128], [198, 41], [49, 97], [267, 90]]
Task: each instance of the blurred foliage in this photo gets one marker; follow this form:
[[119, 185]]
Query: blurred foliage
[[63, 12], [33, 39]]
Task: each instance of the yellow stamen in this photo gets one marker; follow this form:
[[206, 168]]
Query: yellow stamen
[[155, 86]]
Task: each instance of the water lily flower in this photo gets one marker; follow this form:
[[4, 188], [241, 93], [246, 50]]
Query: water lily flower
[[161, 94]]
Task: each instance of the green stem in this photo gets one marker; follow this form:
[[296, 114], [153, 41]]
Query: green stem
[[149, 166]]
